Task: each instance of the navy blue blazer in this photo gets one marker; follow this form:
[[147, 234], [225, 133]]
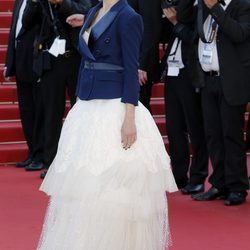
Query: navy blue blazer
[[114, 40]]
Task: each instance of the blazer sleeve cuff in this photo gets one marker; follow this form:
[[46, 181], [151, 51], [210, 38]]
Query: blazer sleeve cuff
[[130, 100]]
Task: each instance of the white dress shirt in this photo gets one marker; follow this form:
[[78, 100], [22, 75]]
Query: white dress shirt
[[20, 17], [214, 65]]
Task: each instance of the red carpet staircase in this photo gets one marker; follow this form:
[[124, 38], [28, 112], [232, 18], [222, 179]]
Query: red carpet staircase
[[12, 143]]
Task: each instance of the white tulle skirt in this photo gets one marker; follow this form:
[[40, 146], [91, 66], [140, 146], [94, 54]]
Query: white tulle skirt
[[102, 196]]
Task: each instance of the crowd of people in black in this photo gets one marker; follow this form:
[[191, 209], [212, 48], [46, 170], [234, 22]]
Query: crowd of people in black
[[206, 70]]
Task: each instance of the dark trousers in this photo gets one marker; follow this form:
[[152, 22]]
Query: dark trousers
[[225, 138], [28, 110], [53, 86], [183, 121], [145, 94], [248, 133]]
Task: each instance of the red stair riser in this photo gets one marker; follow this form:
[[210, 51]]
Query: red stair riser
[[13, 152], [11, 132], [5, 20], [4, 35], [6, 5], [2, 55], [11, 112], [8, 93]]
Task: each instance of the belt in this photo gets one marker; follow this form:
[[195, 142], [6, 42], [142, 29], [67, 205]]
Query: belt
[[101, 66], [212, 73]]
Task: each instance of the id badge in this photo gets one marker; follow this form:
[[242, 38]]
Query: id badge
[[207, 54], [58, 47], [173, 68]]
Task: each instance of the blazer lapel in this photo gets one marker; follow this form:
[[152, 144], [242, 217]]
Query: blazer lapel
[[83, 46], [100, 27]]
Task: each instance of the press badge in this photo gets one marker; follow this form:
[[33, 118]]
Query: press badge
[[58, 47], [173, 68], [207, 54]]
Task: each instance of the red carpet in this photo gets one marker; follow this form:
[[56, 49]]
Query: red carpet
[[194, 225]]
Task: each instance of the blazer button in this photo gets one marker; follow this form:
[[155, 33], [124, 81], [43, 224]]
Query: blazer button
[[97, 52], [107, 40]]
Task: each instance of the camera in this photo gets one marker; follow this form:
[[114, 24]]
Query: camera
[[169, 3]]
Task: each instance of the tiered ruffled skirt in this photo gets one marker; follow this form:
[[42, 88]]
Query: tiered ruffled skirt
[[102, 196]]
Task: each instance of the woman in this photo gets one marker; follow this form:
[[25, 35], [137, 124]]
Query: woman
[[108, 181]]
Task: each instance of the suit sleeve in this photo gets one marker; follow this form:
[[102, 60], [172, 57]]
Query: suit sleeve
[[31, 14], [131, 37], [186, 32], [151, 13], [11, 45], [236, 30], [69, 7], [186, 12]]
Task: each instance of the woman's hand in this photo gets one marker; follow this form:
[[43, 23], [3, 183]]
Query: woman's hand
[[170, 13], [75, 20], [128, 130]]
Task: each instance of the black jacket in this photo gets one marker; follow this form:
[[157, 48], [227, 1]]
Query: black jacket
[[38, 13], [151, 13], [233, 45], [187, 33], [19, 57]]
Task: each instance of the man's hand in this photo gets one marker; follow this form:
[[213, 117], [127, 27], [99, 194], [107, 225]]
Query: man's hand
[[143, 77], [210, 3], [75, 20], [4, 74], [170, 13], [56, 1]]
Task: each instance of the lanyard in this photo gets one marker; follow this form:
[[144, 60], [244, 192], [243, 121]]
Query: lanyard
[[176, 48], [53, 19], [212, 30]]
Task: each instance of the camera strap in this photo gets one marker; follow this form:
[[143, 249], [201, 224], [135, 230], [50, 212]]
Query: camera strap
[[200, 21], [53, 19]]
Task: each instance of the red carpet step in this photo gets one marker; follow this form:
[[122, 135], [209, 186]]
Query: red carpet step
[[6, 5], [2, 55], [8, 93], [4, 34], [13, 153], [5, 20], [11, 132]]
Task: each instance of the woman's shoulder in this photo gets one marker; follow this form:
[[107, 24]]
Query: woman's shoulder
[[128, 15]]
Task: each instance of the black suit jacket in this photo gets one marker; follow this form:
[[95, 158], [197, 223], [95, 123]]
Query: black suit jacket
[[187, 33], [151, 13], [38, 13], [19, 57], [233, 45]]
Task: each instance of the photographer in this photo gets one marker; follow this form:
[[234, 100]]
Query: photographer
[[183, 109], [19, 63], [149, 68], [56, 61], [224, 55]]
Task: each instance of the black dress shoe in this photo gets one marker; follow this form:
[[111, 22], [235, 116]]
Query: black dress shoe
[[193, 189], [212, 194], [235, 198], [24, 163], [43, 174], [34, 166]]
